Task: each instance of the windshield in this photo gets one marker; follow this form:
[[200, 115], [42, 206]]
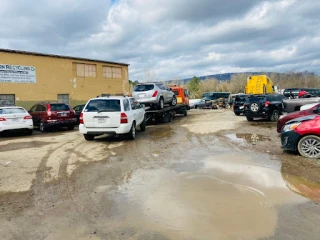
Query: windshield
[[11, 110], [143, 87], [176, 92], [60, 107], [103, 105]]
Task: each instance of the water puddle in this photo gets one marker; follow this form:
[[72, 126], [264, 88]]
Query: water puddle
[[302, 186], [161, 133], [229, 196], [247, 137]]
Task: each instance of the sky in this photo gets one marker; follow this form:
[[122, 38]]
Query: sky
[[170, 39]]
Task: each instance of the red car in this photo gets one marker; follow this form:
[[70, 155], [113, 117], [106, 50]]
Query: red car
[[302, 134], [282, 121], [49, 115]]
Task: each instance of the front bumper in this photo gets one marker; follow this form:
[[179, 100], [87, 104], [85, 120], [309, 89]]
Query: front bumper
[[289, 140], [123, 129]]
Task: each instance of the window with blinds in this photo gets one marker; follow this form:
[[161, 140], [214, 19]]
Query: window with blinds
[[112, 72]]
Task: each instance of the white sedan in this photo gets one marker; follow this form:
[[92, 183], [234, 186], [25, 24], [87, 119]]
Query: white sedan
[[15, 118]]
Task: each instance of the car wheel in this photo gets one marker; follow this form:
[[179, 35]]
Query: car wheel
[[309, 146], [195, 107], [174, 101], [41, 126], [250, 119], [132, 133], [254, 107], [71, 127], [274, 116], [88, 137], [236, 113], [143, 125], [161, 103], [185, 113]]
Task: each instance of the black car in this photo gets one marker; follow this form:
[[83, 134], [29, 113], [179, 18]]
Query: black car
[[78, 109], [264, 106], [204, 103], [238, 102]]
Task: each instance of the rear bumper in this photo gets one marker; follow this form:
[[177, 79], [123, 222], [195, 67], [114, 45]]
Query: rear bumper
[[261, 114], [60, 122], [27, 125], [123, 129], [289, 140], [152, 100]]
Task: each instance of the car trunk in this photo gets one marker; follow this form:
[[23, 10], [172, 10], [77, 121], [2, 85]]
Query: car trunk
[[12, 116], [143, 91], [60, 111], [102, 113]]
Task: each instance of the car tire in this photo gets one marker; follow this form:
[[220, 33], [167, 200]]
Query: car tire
[[250, 119], [236, 113], [274, 116], [132, 133], [195, 107], [254, 107], [305, 143], [185, 113], [71, 127], [174, 101], [88, 137], [42, 128], [161, 103], [143, 125]]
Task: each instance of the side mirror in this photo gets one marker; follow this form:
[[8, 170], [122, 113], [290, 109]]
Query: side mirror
[[170, 89]]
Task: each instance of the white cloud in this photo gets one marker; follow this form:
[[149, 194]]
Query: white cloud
[[173, 38]]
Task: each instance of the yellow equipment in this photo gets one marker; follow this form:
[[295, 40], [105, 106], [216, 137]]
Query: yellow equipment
[[259, 84]]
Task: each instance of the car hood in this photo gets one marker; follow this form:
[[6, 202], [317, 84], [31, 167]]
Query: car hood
[[302, 119]]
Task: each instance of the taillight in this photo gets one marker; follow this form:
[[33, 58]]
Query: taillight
[[130, 95], [267, 104], [81, 118], [49, 110], [155, 94], [124, 118], [27, 117], [2, 119]]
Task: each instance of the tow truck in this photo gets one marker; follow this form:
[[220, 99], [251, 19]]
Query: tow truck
[[166, 114]]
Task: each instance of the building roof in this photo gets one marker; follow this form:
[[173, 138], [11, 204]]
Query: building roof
[[59, 56]]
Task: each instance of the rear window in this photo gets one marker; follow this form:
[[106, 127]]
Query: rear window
[[255, 98], [11, 110], [176, 92], [144, 87], [59, 107], [103, 105], [241, 98]]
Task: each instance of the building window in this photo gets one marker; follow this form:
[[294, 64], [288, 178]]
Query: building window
[[85, 70], [63, 98], [112, 72], [7, 99]]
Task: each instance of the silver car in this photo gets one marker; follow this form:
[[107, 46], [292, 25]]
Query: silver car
[[154, 94]]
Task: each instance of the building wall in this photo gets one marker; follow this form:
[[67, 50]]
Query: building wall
[[58, 76]]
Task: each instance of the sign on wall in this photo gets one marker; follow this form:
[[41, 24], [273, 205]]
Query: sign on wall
[[17, 74]]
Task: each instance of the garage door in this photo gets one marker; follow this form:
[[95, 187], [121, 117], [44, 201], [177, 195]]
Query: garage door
[[7, 99]]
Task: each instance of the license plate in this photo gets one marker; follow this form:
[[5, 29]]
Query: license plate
[[63, 114], [15, 120], [142, 95], [101, 120]]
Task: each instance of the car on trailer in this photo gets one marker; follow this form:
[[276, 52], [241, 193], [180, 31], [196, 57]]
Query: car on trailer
[[166, 114], [154, 95]]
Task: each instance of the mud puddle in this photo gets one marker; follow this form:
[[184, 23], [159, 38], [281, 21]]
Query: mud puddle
[[22, 145], [247, 137], [226, 196]]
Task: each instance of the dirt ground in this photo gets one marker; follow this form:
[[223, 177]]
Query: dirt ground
[[210, 175]]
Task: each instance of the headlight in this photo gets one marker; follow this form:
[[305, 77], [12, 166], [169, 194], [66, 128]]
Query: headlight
[[290, 127]]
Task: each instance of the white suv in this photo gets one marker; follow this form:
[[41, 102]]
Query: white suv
[[112, 115]]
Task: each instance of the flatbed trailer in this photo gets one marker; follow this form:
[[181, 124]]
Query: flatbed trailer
[[166, 114]]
